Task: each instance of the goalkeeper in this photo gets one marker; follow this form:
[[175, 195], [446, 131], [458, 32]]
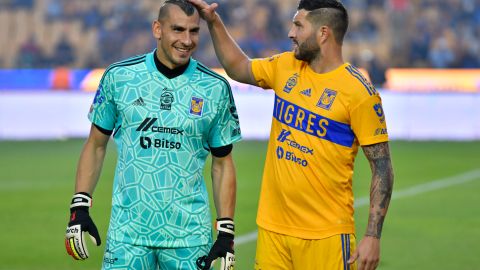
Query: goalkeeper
[[166, 112]]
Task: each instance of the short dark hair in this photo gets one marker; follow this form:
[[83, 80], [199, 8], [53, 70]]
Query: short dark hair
[[328, 12], [186, 6]]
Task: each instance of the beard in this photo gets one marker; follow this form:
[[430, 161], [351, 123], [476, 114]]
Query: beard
[[308, 50]]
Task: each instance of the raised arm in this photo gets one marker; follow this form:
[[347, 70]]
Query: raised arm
[[368, 251], [235, 62]]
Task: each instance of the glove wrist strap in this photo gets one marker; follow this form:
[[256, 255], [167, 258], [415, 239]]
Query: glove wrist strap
[[225, 225], [81, 199]]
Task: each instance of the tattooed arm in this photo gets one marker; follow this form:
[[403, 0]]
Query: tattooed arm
[[368, 252], [381, 188]]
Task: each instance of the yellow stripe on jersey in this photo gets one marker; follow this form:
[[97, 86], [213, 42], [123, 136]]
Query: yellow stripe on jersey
[[319, 122]]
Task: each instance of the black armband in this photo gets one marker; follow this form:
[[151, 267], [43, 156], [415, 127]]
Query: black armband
[[104, 131], [221, 151]]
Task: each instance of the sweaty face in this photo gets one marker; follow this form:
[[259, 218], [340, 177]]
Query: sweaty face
[[177, 36], [303, 36]]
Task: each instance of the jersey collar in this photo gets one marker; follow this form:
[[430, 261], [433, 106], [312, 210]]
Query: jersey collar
[[160, 69]]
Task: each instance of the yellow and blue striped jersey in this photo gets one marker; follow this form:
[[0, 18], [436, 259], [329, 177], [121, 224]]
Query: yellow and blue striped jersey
[[318, 123]]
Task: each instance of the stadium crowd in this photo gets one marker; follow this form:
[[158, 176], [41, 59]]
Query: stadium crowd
[[382, 33]]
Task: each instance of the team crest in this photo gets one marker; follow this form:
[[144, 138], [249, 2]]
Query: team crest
[[292, 81], [327, 98], [196, 106]]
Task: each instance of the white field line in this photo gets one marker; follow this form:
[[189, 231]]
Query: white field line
[[403, 193]]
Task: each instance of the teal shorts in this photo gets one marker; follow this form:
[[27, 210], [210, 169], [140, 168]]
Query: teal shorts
[[126, 256]]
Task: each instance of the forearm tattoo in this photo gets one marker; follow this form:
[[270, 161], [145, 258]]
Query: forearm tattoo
[[381, 188]]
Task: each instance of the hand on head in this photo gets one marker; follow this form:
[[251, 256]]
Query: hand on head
[[207, 11]]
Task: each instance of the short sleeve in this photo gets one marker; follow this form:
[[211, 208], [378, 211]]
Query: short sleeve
[[368, 121], [225, 128], [263, 70], [103, 110]]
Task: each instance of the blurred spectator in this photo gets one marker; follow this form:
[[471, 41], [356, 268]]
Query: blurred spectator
[[54, 10], [427, 33], [30, 54], [22, 4], [441, 54], [368, 60], [64, 54]]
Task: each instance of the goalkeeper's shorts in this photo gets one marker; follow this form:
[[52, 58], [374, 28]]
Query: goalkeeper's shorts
[[126, 256], [282, 252]]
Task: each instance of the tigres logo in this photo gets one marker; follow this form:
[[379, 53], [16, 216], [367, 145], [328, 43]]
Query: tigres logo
[[327, 99]]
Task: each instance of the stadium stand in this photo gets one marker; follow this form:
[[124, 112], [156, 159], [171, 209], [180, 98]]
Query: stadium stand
[[382, 35]]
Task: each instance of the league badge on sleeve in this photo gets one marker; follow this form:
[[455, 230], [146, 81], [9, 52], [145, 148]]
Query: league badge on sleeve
[[196, 106], [379, 111], [99, 96]]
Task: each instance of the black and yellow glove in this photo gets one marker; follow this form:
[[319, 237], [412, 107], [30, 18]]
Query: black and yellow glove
[[222, 248], [80, 222]]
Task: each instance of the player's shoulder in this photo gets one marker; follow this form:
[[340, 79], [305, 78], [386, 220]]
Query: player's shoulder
[[211, 74], [357, 82], [283, 58], [126, 63]]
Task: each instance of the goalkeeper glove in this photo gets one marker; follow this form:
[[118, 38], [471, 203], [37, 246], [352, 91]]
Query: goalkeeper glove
[[222, 248], [80, 222]]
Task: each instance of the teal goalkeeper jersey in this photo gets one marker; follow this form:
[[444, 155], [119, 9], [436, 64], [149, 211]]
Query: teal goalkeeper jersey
[[164, 129]]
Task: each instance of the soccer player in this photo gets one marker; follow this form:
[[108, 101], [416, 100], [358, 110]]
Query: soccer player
[[324, 109], [166, 112]]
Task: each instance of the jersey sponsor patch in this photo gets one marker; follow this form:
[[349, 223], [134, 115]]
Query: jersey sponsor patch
[[327, 99], [380, 131], [196, 106], [283, 137]]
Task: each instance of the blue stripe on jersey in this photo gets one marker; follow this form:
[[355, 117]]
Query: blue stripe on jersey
[[342, 237], [348, 251], [313, 124], [358, 75]]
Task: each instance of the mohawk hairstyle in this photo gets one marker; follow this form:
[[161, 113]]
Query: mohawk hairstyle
[[327, 12], [186, 6]]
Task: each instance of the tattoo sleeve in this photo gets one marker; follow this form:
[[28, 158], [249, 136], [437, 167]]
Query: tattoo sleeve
[[381, 187]]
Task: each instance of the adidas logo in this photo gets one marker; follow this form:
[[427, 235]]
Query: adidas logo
[[139, 102], [307, 92]]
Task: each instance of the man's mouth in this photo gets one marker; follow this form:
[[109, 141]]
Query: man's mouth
[[183, 50]]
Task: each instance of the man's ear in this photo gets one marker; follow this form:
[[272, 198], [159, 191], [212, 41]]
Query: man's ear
[[157, 29], [323, 33]]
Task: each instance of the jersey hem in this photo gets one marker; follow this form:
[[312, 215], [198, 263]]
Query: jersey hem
[[373, 140], [176, 244], [233, 140], [304, 233]]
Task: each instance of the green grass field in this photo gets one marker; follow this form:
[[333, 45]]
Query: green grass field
[[433, 223]]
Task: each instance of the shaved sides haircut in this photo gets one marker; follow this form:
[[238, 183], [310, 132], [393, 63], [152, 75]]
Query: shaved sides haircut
[[184, 5], [331, 13]]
